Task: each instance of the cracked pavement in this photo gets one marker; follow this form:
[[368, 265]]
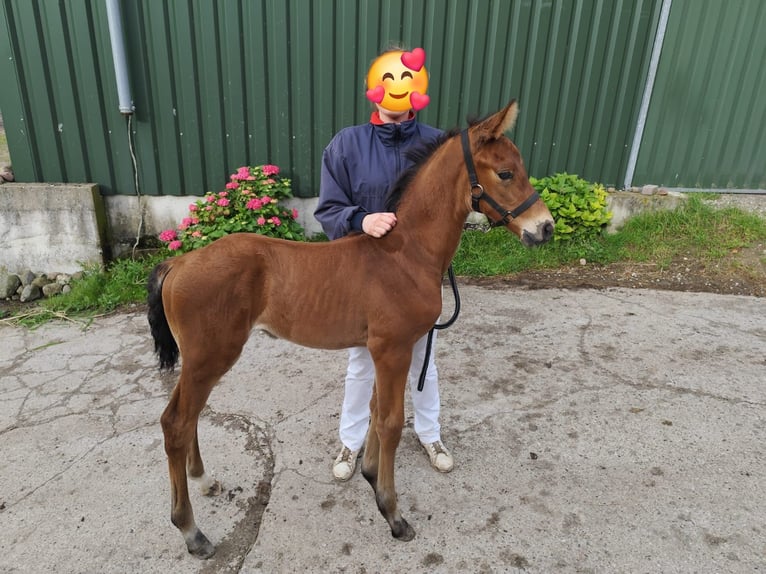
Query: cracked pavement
[[599, 431]]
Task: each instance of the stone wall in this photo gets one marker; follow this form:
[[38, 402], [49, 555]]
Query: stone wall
[[48, 227], [65, 227]]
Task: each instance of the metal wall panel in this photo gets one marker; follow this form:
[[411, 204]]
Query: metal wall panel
[[57, 82], [706, 120], [219, 84]]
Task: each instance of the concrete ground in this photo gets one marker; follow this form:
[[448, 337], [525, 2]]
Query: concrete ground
[[593, 431]]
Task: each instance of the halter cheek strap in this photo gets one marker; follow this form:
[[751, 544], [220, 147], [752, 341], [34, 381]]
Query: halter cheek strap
[[478, 193]]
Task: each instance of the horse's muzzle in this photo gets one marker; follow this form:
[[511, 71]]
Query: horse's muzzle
[[542, 234]]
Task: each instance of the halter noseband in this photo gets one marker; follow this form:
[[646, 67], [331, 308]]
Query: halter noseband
[[483, 195]]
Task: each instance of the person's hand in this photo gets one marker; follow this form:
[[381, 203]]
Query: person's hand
[[378, 224]]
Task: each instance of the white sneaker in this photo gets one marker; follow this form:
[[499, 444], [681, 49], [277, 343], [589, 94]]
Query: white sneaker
[[440, 457], [345, 464]]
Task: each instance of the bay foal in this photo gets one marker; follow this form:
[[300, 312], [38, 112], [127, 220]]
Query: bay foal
[[383, 293]]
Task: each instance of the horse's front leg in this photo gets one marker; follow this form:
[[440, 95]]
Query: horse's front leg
[[390, 380]]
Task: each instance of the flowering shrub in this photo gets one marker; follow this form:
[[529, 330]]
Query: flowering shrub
[[250, 203]]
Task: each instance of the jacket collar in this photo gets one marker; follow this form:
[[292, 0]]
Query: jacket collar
[[393, 134]]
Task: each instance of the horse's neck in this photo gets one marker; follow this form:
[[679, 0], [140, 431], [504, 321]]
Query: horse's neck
[[434, 208]]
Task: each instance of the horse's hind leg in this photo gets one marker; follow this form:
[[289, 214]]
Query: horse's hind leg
[[372, 445], [195, 469], [179, 426]]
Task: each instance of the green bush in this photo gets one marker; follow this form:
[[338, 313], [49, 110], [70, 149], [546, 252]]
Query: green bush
[[578, 206]]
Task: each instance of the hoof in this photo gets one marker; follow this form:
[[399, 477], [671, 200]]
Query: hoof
[[200, 547], [403, 531]]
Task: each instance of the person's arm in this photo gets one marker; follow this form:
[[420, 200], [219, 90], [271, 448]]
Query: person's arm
[[337, 210]]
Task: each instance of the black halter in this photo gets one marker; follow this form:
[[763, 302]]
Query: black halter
[[478, 193]]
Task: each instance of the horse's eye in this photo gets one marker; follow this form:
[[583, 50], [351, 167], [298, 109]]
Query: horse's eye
[[505, 175]]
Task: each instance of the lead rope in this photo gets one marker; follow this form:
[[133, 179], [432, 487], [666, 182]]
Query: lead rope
[[429, 341]]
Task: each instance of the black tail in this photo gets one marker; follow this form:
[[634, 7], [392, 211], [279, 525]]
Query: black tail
[[164, 344]]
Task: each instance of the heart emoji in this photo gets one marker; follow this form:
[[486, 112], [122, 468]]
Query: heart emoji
[[376, 94], [419, 101], [414, 60]]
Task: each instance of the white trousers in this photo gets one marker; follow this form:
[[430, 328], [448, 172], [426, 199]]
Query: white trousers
[[360, 377]]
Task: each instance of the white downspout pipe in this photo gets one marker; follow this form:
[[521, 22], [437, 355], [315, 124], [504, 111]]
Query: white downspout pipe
[[118, 56]]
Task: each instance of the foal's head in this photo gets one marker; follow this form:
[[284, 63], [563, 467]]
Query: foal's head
[[501, 188]]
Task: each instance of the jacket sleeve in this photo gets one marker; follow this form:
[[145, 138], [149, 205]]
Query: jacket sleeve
[[336, 207]]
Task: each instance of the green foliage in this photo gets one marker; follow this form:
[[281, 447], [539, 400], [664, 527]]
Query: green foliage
[[695, 227], [692, 230], [499, 253], [577, 206], [122, 283], [250, 203]]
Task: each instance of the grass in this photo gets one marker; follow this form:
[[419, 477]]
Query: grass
[[695, 229], [98, 292]]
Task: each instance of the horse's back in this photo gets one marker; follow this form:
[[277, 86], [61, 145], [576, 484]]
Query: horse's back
[[241, 281]]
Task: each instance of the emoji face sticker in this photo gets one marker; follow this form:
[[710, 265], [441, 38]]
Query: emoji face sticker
[[398, 81]]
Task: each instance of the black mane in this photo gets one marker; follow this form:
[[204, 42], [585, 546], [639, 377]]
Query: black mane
[[418, 155]]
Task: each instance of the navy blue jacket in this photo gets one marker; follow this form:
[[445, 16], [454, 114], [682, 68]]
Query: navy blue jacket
[[359, 165]]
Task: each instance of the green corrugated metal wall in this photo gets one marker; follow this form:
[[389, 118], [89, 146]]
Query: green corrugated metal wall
[[219, 84], [707, 122]]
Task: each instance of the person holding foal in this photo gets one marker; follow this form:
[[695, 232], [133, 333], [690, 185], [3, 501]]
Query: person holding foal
[[359, 166]]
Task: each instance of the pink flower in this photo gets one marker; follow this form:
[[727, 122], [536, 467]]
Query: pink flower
[[223, 194], [193, 207], [276, 221], [232, 185], [254, 204], [210, 198], [270, 170], [174, 245], [242, 173], [186, 222], [196, 234], [269, 181], [260, 221], [209, 208], [194, 220], [223, 202], [295, 214], [168, 235], [266, 199]]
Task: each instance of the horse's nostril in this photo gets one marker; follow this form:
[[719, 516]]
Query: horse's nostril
[[547, 230]]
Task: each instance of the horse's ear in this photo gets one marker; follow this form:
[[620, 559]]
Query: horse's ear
[[496, 125]]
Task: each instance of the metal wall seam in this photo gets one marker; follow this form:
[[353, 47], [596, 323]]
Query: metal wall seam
[[659, 40]]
